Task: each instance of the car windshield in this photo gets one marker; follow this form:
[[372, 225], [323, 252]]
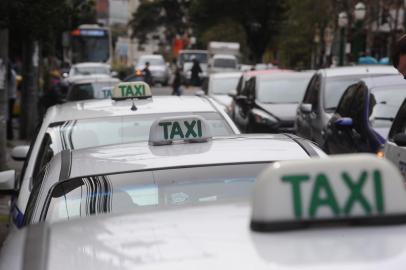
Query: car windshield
[[78, 134], [384, 103], [91, 70], [98, 90], [166, 188], [335, 88], [286, 90], [222, 86], [151, 61], [224, 63]]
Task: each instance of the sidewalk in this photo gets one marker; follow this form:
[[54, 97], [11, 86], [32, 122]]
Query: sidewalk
[[4, 199]]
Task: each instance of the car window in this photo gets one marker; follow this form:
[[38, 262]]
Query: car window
[[85, 133], [384, 104], [345, 106], [81, 92], [152, 61], [161, 188], [91, 70], [308, 97], [224, 63], [46, 152], [240, 85]]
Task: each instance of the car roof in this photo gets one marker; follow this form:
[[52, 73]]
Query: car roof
[[359, 70], [214, 235], [93, 78], [107, 107], [225, 75], [383, 81], [220, 150], [91, 64], [193, 51], [283, 75], [229, 56], [265, 72]]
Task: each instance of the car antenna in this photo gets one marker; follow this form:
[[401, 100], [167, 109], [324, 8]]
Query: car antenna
[[133, 107]]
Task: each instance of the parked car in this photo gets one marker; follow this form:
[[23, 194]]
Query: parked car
[[185, 63], [89, 69], [221, 87], [268, 102], [158, 67], [364, 115], [323, 94]]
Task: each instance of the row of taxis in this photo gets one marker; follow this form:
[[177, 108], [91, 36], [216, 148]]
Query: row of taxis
[[137, 181]]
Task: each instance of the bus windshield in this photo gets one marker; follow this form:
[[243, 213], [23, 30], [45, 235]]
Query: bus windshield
[[90, 48]]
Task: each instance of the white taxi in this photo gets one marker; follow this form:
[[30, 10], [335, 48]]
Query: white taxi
[[125, 118], [180, 164], [346, 212]]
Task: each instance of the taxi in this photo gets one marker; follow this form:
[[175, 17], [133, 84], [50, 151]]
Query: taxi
[[180, 164], [127, 117], [344, 212]]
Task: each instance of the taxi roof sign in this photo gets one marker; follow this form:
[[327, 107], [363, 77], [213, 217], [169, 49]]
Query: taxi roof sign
[[190, 128], [130, 90], [353, 189]]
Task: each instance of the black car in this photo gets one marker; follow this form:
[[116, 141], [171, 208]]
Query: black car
[[268, 102], [364, 115]]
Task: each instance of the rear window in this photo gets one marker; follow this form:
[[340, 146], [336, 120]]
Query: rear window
[[223, 86], [287, 90], [167, 188], [85, 133], [81, 92]]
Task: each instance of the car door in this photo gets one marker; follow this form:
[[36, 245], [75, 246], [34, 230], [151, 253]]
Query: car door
[[303, 112], [396, 153], [340, 136]]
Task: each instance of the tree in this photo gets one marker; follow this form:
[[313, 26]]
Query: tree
[[260, 19], [153, 15]]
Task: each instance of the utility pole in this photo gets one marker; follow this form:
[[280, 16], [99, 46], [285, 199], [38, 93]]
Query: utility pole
[[3, 97]]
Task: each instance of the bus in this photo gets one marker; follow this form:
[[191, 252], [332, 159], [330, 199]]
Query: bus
[[89, 43]]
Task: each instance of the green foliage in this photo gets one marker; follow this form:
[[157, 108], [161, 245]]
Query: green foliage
[[260, 19], [154, 14], [301, 25]]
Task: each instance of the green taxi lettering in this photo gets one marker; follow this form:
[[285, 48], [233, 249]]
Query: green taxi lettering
[[106, 93], [191, 129], [132, 91], [323, 194]]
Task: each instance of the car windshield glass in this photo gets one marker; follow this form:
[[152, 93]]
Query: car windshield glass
[[222, 86], [91, 70], [335, 88], [85, 133], [287, 90], [224, 63], [97, 90], [167, 188], [384, 104], [188, 57], [151, 61]]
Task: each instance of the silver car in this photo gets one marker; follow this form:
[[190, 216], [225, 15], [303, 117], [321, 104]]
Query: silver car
[[157, 66]]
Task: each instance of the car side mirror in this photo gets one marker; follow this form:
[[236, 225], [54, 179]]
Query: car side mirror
[[306, 108], [344, 122], [20, 153], [7, 182], [400, 139]]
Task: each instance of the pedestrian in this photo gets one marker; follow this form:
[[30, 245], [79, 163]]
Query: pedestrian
[[399, 56], [196, 70], [147, 74], [12, 95], [177, 82]]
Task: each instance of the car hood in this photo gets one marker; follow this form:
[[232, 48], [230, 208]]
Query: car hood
[[212, 237], [225, 100], [284, 111]]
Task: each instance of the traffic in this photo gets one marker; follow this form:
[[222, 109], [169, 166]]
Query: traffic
[[162, 148]]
